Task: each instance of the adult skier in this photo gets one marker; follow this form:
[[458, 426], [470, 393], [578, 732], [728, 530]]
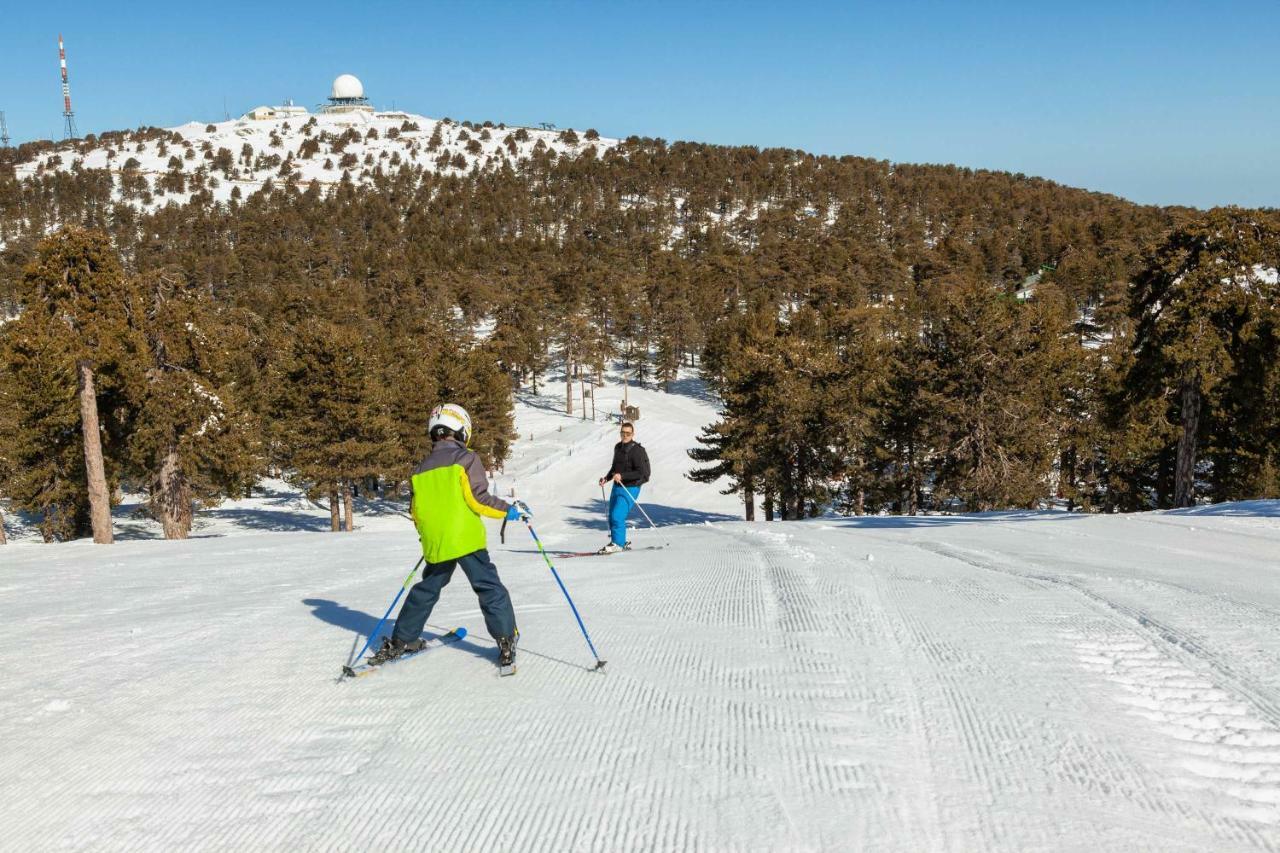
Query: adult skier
[[629, 471], [449, 496]]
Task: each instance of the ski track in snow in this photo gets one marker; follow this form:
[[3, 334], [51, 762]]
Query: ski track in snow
[[1001, 683], [1221, 725]]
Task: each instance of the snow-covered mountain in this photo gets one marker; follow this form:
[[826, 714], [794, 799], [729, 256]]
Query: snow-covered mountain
[[243, 154], [1009, 681]]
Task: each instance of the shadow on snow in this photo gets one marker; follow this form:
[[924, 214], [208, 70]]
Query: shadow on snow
[[694, 388], [594, 515], [362, 624], [274, 511], [1235, 509]]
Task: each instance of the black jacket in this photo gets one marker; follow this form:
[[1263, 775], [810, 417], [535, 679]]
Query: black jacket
[[631, 461]]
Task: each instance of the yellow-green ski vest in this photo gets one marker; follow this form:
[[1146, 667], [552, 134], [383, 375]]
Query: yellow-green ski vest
[[450, 494]]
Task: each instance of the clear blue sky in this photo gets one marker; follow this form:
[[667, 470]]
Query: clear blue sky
[[1160, 102]]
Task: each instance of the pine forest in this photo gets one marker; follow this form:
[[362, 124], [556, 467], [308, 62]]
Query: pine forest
[[882, 337]]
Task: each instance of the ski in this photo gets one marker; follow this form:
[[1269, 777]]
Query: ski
[[564, 555], [367, 668]]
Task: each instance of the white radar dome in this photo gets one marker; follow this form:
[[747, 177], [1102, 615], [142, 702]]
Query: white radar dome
[[347, 86]]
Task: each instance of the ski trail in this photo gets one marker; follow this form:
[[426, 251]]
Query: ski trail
[[1223, 725], [1000, 645], [975, 686]]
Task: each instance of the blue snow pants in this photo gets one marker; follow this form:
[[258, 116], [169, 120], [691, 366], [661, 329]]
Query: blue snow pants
[[619, 507], [495, 603]]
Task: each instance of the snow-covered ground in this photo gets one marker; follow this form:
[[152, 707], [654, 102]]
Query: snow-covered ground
[[1016, 681], [370, 142]]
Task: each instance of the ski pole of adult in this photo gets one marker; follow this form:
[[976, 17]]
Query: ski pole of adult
[[408, 581], [636, 504], [599, 663]]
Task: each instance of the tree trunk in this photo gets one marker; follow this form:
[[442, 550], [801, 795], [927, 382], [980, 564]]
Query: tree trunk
[[171, 498], [768, 506], [749, 500], [3, 540], [1067, 463], [346, 503], [800, 487], [99, 496], [860, 505], [785, 496], [911, 478], [335, 511], [568, 388], [1184, 484]]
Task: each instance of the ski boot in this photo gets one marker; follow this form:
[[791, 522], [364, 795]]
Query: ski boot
[[392, 649], [507, 654], [612, 548]]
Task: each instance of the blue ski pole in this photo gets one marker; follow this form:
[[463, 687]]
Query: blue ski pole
[[347, 670], [599, 663]]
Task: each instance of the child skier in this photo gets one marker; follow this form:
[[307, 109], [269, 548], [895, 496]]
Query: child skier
[[449, 495]]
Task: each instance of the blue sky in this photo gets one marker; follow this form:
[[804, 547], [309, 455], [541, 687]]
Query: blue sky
[[1163, 103]]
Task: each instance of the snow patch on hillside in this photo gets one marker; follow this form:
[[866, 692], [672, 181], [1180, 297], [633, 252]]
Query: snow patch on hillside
[[321, 147]]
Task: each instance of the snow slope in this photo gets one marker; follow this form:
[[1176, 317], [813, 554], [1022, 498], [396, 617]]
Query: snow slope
[[1005, 682], [554, 466], [381, 142]]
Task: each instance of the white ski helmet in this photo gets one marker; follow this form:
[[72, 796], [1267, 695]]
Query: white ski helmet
[[453, 417]]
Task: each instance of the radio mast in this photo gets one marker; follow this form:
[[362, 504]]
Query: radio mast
[[69, 130]]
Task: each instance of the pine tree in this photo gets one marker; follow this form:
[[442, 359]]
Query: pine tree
[[789, 418], [1199, 307], [190, 438], [467, 374], [337, 427], [77, 282], [519, 340], [738, 445], [995, 390], [42, 470]]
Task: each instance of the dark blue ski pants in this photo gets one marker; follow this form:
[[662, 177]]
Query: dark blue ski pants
[[495, 603]]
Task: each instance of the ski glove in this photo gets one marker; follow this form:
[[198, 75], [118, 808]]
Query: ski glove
[[519, 511]]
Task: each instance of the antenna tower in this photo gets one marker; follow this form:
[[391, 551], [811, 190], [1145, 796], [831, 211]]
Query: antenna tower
[[69, 129], [4, 131]]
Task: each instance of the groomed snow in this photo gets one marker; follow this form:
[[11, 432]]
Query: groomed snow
[[1010, 682]]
